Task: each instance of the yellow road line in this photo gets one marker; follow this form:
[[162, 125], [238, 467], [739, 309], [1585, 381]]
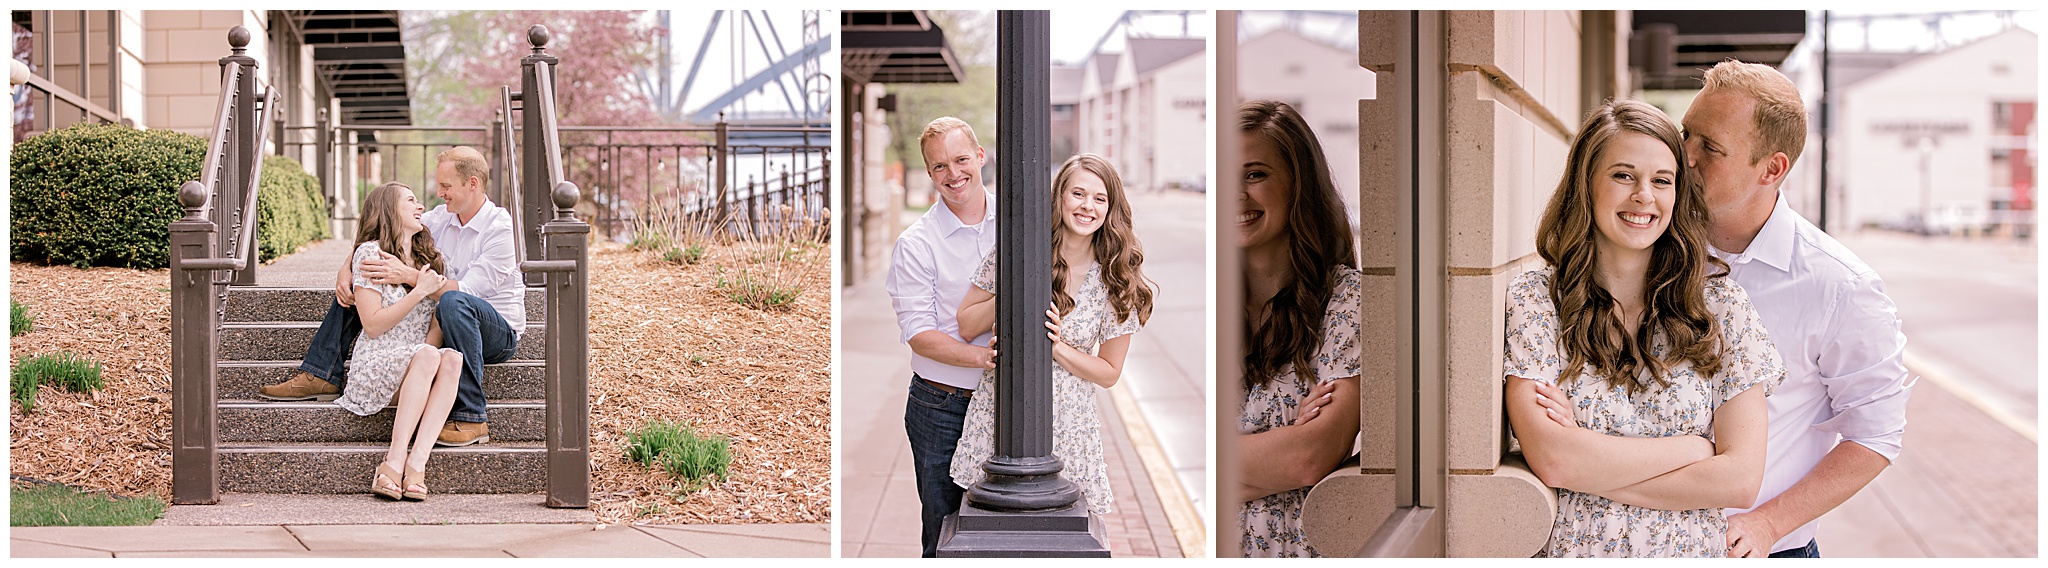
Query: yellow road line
[[1180, 512]]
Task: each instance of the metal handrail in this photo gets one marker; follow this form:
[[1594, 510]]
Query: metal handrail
[[223, 123], [243, 243], [511, 177], [65, 96]]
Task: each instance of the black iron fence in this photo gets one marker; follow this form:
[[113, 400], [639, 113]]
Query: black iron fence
[[740, 179]]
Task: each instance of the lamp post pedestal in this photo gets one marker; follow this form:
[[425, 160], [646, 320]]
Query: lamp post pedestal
[[1023, 508], [1067, 532]]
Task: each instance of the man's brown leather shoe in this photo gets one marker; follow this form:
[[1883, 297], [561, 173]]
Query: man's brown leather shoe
[[302, 386], [457, 433]]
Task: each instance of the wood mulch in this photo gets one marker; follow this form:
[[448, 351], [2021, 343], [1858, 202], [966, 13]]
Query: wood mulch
[[665, 345]]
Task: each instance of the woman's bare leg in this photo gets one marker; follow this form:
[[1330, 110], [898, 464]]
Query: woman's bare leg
[[440, 400], [412, 399]]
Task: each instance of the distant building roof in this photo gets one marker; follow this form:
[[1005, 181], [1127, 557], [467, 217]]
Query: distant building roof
[[1066, 84], [1105, 69], [1152, 53]]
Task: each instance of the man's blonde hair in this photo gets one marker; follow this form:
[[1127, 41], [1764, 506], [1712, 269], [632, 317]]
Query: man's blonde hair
[[468, 163], [1780, 118], [940, 126]]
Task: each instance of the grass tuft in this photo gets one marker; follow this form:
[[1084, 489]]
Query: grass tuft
[[680, 450], [62, 506], [74, 373], [18, 319]]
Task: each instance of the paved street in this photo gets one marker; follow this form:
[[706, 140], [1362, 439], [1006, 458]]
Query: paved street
[[1966, 484], [1155, 420]]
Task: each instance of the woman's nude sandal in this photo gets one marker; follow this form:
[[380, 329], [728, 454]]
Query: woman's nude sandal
[[415, 478], [384, 486]]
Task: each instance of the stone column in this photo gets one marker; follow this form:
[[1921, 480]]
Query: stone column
[[1023, 508]]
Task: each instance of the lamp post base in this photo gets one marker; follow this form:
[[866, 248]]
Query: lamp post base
[[1066, 532]]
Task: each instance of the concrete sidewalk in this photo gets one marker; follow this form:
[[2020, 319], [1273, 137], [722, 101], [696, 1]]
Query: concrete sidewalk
[[440, 541], [1965, 485], [1154, 420]]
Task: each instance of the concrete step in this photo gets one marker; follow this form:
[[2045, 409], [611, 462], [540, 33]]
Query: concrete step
[[263, 303], [496, 467], [264, 421], [518, 378], [270, 341]]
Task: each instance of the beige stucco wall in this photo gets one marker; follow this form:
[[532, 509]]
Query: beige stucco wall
[[182, 52], [128, 54]]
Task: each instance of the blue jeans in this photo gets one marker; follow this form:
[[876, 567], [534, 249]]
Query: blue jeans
[[327, 356], [1811, 550], [471, 326], [933, 419]]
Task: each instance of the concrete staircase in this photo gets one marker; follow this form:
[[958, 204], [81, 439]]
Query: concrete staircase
[[319, 448]]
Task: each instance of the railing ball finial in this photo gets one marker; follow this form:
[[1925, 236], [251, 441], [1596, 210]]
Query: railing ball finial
[[538, 37], [565, 196], [192, 195], [238, 38]]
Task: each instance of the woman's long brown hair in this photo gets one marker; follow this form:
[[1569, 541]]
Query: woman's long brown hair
[[382, 223], [1592, 333], [1318, 241], [1114, 245]]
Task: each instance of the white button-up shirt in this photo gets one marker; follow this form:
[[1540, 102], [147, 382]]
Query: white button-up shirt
[[1838, 335], [480, 258], [929, 274]]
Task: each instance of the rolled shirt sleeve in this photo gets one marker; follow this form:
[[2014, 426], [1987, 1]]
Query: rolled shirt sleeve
[[1867, 383], [913, 289]]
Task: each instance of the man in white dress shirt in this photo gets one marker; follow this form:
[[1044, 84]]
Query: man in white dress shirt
[[929, 274], [482, 306], [1838, 418]]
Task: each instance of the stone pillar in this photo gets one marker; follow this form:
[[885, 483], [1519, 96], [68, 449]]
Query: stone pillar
[[1023, 508]]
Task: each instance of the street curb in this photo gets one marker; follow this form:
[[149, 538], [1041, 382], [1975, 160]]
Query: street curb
[[1938, 375], [1180, 512]]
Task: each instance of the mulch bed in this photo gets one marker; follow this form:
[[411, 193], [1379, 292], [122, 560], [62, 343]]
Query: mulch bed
[[665, 345]]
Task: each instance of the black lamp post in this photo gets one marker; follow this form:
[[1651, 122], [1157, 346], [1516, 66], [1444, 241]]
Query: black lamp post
[[1023, 508]]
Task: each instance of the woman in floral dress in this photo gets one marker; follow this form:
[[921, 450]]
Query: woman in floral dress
[[1100, 298], [1299, 416], [1632, 361], [399, 349]]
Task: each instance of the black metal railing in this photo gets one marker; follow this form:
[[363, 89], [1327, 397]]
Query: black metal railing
[[224, 196]]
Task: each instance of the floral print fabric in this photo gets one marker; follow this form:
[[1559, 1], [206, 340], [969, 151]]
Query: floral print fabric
[[1077, 425], [1591, 525], [377, 364], [1271, 525]]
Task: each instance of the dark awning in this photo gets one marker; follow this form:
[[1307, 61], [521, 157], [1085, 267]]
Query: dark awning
[[362, 59], [1698, 39], [895, 46]]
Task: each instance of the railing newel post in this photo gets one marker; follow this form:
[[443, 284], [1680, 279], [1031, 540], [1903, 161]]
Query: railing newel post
[[195, 346]]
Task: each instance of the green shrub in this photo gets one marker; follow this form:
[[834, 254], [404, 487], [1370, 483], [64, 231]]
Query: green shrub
[[18, 320], [64, 369], [290, 210], [100, 194], [680, 450]]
